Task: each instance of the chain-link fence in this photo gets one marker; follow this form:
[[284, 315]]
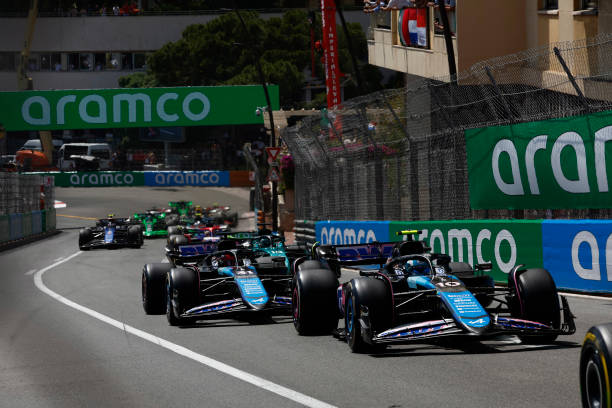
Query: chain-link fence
[[400, 154], [21, 193]]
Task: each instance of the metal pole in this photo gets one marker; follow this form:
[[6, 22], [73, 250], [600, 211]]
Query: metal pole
[[572, 80], [272, 129], [448, 40], [509, 113]]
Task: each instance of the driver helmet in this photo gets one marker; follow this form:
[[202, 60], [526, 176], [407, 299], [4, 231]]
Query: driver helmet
[[414, 267], [265, 242]]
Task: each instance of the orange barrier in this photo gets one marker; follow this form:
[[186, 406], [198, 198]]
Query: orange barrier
[[240, 178]]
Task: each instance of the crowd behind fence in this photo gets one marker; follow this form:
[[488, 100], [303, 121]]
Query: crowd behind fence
[[400, 154], [22, 193]]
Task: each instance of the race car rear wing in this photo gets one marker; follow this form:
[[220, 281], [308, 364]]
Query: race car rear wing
[[336, 256]]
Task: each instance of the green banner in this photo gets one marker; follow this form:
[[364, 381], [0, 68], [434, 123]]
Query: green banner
[[99, 179], [560, 163], [134, 107], [505, 243]]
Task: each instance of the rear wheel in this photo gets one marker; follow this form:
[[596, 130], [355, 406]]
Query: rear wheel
[[135, 236], [314, 303], [595, 367], [538, 301], [153, 287]]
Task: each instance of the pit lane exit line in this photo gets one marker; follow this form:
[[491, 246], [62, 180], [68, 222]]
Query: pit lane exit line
[[76, 216], [207, 361]]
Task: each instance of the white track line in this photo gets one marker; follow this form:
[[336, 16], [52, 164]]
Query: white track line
[[31, 272], [576, 295], [207, 361]]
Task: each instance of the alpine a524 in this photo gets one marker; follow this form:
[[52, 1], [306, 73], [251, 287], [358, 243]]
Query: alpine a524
[[415, 295]]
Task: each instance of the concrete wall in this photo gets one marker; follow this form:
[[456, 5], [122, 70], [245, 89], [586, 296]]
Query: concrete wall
[[489, 29]]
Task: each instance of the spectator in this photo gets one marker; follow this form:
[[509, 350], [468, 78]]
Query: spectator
[[398, 4], [116, 10], [103, 10]]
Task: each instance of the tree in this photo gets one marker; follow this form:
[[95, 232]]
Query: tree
[[222, 53]]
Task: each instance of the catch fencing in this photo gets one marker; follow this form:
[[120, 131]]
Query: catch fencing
[[22, 194], [401, 155]]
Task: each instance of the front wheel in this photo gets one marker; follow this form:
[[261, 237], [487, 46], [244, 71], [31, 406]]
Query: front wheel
[[314, 306], [182, 293], [595, 367], [352, 324]]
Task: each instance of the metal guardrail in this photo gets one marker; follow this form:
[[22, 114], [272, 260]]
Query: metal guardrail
[[305, 232]]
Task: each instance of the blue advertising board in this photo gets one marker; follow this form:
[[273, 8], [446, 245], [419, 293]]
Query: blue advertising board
[[351, 232], [187, 178], [579, 253]]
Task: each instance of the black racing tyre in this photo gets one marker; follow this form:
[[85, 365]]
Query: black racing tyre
[[310, 264], [135, 236], [538, 301], [234, 220], [85, 236], [174, 230], [596, 367], [154, 287], [175, 240], [182, 293], [172, 219], [314, 301], [374, 294]]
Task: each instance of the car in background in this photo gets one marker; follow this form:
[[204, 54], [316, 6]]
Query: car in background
[[153, 222], [84, 157], [111, 232], [230, 280], [36, 144]]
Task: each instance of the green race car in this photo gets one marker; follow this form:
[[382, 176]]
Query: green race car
[[153, 223]]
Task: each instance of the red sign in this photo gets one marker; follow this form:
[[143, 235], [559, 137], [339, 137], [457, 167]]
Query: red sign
[[273, 175], [330, 50], [273, 152]]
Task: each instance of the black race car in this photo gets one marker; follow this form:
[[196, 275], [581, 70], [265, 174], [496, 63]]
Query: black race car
[[226, 281], [415, 295], [111, 232]]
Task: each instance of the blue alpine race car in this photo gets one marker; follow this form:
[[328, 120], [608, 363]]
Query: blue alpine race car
[[416, 295], [228, 280], [111, 232]]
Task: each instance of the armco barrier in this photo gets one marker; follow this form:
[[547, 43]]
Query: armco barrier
[[50, 219], [578, 253], [37, 222], [305, 232], [26, 224], [204, 178], [15, 226], [5, 233], [351, 232]]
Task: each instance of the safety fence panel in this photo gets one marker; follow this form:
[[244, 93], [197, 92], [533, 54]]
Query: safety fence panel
[[401, 154], [575, 252], [21, 193], [15, 226], [37, 220], [5, 233]]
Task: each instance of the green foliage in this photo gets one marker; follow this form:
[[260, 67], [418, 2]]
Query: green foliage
[[222, 52], [138, 80]]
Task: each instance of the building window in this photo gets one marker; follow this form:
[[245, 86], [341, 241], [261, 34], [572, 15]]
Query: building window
[[45, 62], [140, 61], [587, 5], [7, 61], [86, 61], [56, 61], [99, 61], [33, 63], [551, 4], [113, 60], [127, 62], [73, 61]]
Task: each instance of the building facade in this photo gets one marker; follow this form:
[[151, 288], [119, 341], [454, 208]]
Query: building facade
[[481, 30]]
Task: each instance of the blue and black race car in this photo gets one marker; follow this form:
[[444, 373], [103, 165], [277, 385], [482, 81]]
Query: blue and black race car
[[416, 295], [111, 232], [226, 281]]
